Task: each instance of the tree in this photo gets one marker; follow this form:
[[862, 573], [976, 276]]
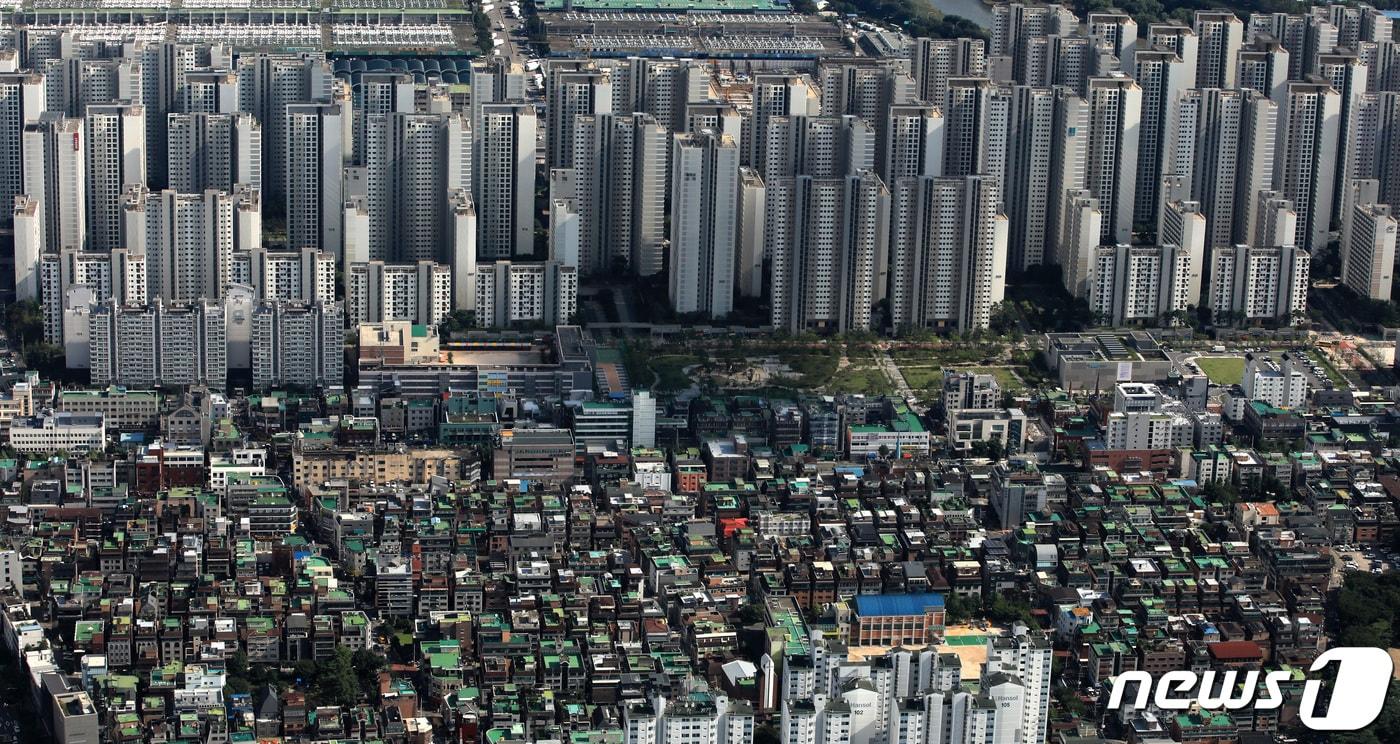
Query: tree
[[334, 681], [367, 666]]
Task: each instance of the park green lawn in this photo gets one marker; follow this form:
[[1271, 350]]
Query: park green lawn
[[1222, 370]]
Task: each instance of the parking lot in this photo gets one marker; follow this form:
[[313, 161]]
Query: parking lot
[[1366, 558]]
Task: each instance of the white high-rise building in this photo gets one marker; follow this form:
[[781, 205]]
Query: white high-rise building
[[1027, 655], [748, 233], [412, 163], [207, 91], [1082, 234], [213, 151], [55, 182], [948, 245], [573, 88], [510, 293], [21, 102], [1264, 68], [267, 85], [314, 187], [935, 61], [1250, 283], [145, 345], [704, 200], [505, 180], [1279, 385], [1347, 75], [1163, 77], [298, 344], [818, 146], [1118, 31], [72, 281], [1377, 153], [643, 419], [1221, 35], [1015, 25], [828, 241], [1139, 283], [1177, 37], [1223, 150], [116, 158], [1182, 225], [307, 275], [419, 293], [73, 83], [1308, 148], [976, 115], [1026, 183], [1368, 255], [776, 95], [913, 142], [619, 189], [189, 240], [1115, 113], [379, 94]]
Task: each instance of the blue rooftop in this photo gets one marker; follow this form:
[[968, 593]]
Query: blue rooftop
[[871, 605]]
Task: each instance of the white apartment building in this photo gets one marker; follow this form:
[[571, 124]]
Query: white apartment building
[[1279, 385], [1111, 175], [618, 186], [1368, 253], [827, 238], [54, 165], [1220, 34], [189, 240], [213, 151], [948, 244], [412, 163], [936, 60], [155, 344], [1163, 77], [1140, 283], [1252, 282], [1307, 162], [704, 199], [50, 432], [419, 293], [509, 293], [298, 344], [116, 158], [504, 174], [314, 156], [307, 275]]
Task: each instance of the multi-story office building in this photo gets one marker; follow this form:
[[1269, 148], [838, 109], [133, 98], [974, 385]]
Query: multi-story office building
[[298, 343], [512, 293], [420, 293], [51, 432], [948, 245], [704, 198], [213, 151]]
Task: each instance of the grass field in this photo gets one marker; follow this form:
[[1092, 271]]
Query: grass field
[[862, 376], [1222, 370]]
